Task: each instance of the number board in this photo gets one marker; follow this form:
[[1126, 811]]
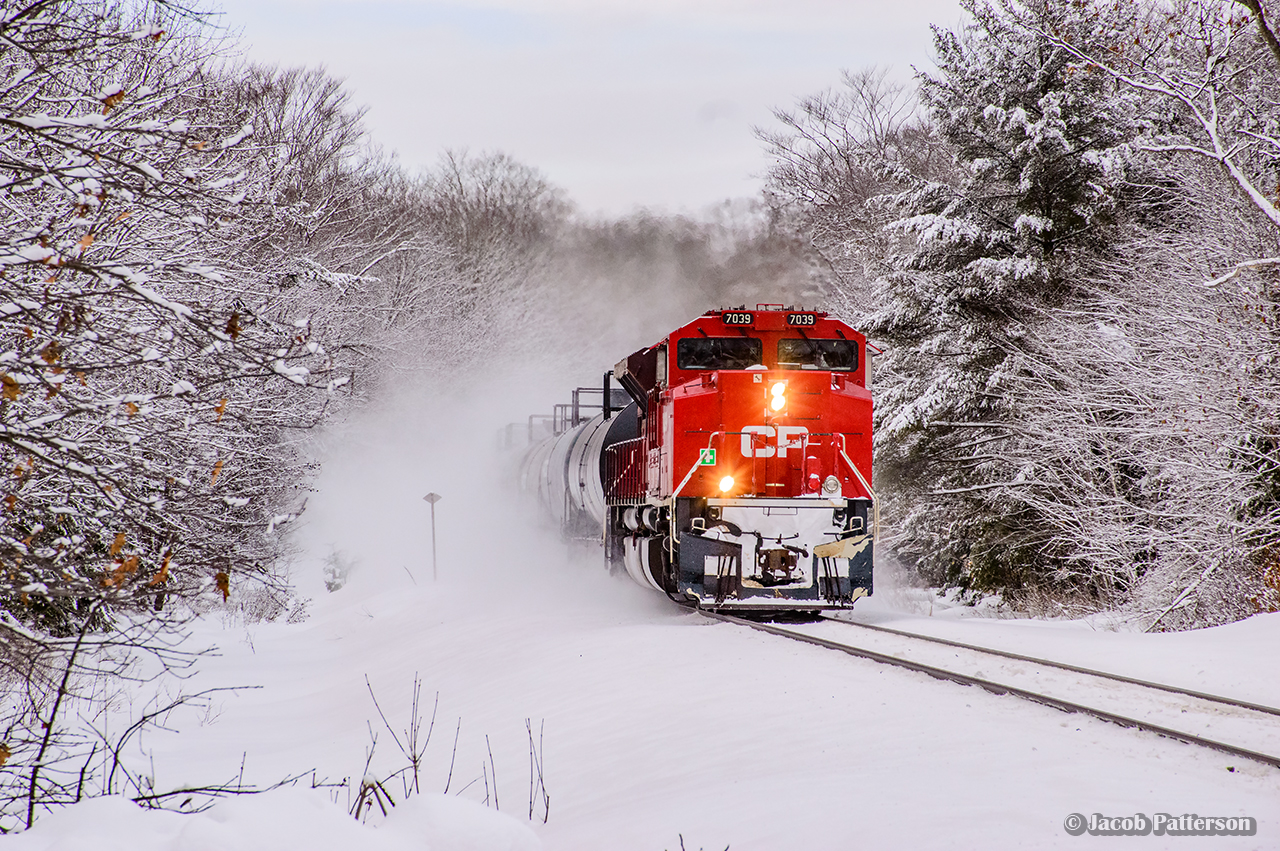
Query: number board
[[802, 319], [737, 317]]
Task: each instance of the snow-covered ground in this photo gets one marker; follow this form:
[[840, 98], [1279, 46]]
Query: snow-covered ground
[[659, 725]]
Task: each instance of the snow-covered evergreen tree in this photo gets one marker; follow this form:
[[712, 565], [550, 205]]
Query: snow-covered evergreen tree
[[1040, 143]]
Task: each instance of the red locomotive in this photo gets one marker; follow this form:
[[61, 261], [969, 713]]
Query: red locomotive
[[733, 468]]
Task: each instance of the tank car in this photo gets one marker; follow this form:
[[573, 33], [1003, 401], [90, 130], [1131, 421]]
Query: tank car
[[729, 465]]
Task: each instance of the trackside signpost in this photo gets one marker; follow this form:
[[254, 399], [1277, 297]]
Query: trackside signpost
[[433, 498]]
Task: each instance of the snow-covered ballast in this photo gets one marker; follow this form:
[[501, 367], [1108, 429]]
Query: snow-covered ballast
[[739, 474]]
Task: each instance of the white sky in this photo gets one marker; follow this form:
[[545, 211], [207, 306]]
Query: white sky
[[624, 103]]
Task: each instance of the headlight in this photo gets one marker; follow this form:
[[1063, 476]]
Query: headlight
[[831, 486], [726, 484], [778, 396]]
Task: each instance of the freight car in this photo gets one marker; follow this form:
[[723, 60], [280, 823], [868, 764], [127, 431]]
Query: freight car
[[732, 467]]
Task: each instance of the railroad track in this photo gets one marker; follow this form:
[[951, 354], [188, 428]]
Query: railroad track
[[1182, 714]]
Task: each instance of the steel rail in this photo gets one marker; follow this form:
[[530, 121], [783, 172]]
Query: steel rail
[[1215, 698], [1000, 689]]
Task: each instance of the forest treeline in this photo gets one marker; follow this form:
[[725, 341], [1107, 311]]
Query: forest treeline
[[1066, 240], [203, 262]]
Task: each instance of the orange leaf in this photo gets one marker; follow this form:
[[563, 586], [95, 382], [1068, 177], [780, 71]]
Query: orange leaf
[[129, 565], [221, 407], [224, 584], [120, 218], [131, 408], [11, 500], [163, 574], [51, 352], [118, 544], [217, 468], [12, 389], [85, 241], [116, 576]]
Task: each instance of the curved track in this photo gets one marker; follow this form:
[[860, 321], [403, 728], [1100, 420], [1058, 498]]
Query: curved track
[[1213, 698], [1208, 707]]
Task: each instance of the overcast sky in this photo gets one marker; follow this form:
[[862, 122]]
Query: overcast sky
[[623, 103]]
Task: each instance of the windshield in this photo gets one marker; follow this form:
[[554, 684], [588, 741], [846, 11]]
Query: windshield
[[839, 355], [718, 352]]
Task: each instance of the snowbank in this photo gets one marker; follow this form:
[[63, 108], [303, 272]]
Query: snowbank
[[274, 821]]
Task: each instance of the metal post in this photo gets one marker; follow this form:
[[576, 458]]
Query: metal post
[[433, 498]]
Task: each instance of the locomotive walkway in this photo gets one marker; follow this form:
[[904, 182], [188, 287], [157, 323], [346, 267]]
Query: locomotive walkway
[[1236, 727]]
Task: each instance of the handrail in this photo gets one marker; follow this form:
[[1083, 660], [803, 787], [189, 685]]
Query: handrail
[[875, 502], [671, 535], [624, 470], [696, 465]]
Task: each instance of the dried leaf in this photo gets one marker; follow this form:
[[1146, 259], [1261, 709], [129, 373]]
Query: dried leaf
[[118, 544], [120, 218], [131, 408], [233, 326], [51, 352], [116, 577], [224, 584], [12, 389], [111, 101], [199, 146], [84, 379], [217, 468], [11, 500], [129, 565], [27, 329], [5, 753], [221, 407], [163, 574], [85, 241]]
